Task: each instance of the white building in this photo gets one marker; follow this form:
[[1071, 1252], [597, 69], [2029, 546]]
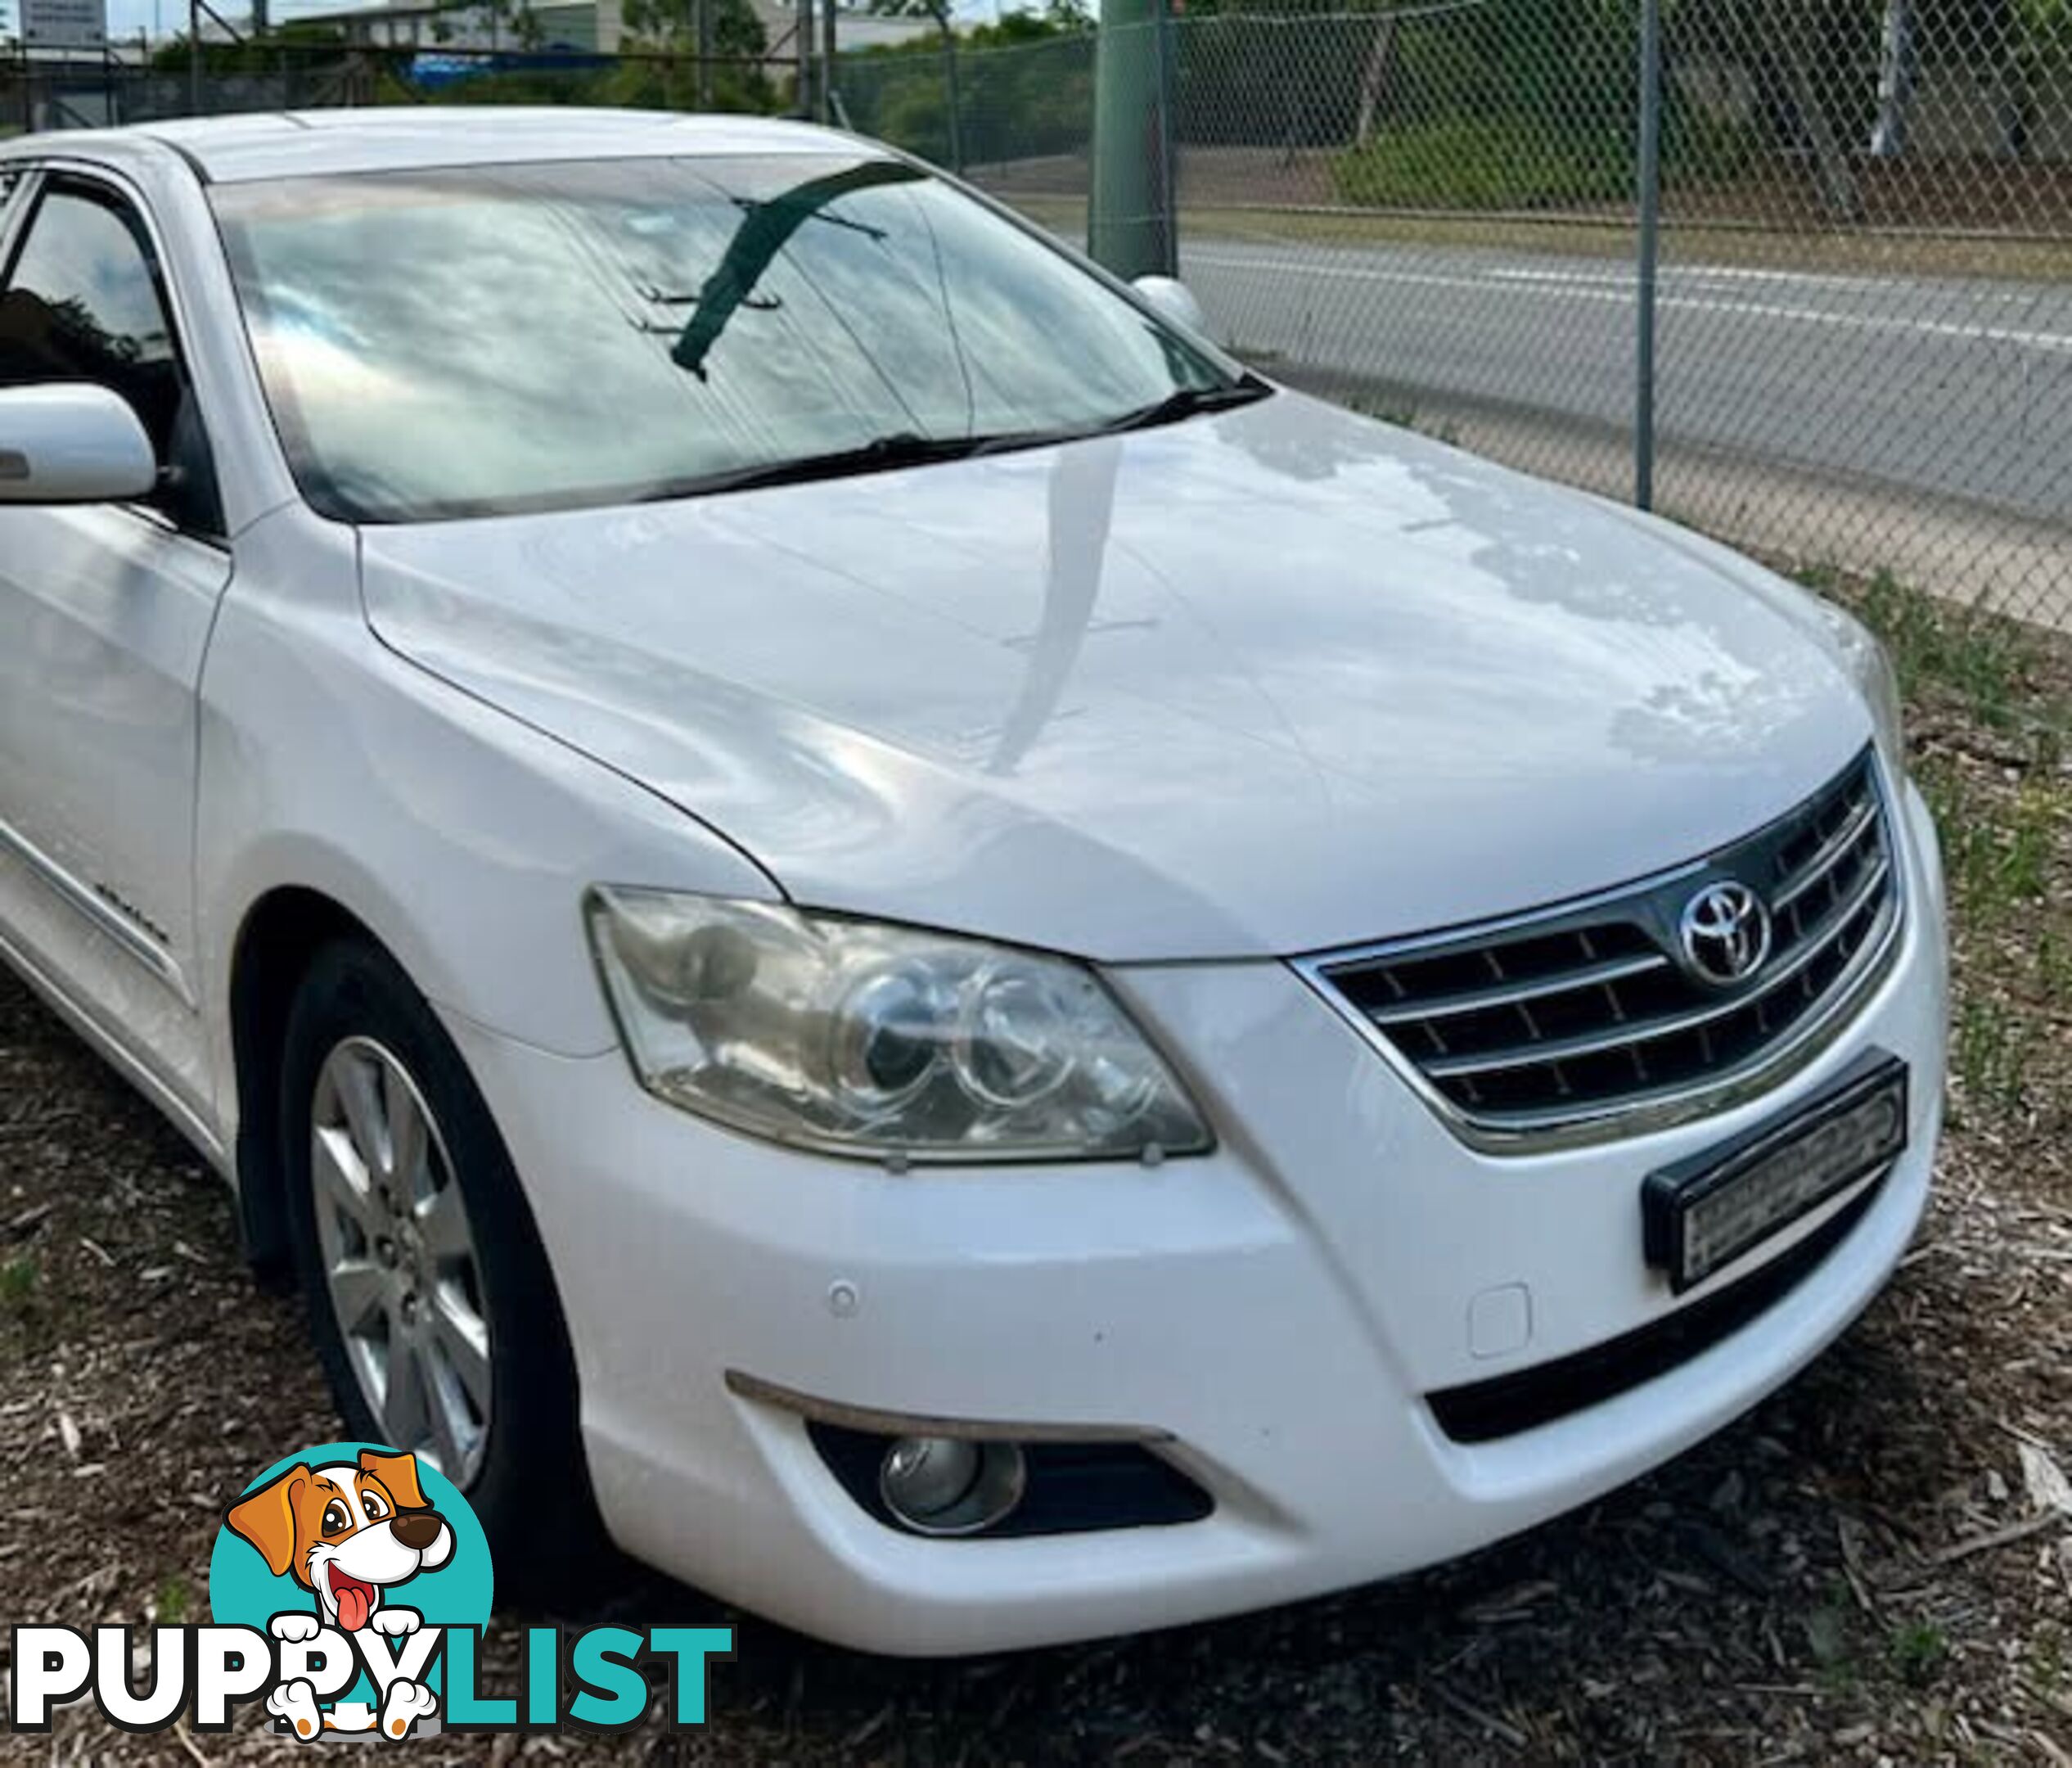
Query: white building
[[594, 27]]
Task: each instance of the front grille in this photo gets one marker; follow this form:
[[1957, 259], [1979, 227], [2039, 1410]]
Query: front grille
[[1586, 1014]]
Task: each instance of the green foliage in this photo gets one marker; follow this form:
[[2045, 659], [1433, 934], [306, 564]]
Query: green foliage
[[1993, 1055], [1980, 657], [1919, 1649], [659, 72], [671, 83], [672, 24], [1998, 788], [290, 43], [18, 1280], [1997, 856], [1026, 84], [1469, 162], [1522, 104]]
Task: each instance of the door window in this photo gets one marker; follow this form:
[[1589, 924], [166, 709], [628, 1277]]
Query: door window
[[84, 301], [14, 183]]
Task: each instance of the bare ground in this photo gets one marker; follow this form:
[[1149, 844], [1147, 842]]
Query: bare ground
[[1866, 1569]]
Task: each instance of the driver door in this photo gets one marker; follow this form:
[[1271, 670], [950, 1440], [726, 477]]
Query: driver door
[[105, 616]]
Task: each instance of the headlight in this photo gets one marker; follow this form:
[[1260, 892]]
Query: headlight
[[880, 1041], [1870, 666]]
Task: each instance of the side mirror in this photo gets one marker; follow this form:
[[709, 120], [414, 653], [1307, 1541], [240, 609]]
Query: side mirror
[[72, 445], [1174, 300]]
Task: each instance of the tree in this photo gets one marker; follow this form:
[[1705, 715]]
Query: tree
[[1034, 101], [673, 25], [733, 79]]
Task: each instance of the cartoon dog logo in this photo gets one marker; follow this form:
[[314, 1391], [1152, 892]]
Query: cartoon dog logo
[[349, 1532]]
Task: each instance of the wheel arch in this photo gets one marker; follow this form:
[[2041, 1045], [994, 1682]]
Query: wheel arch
[[281, 933]]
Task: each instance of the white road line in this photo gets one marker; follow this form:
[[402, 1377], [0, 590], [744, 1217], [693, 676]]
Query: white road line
[[1510, 283], [1810, 279], [1702, 276]]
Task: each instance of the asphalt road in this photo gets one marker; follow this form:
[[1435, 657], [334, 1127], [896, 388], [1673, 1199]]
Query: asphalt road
[[1962, 388]]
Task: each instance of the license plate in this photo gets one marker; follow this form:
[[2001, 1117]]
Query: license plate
[[1702, 1214]]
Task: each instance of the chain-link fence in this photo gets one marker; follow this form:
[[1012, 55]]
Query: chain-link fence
[[1864, 307], [84, 90], [1022, 117], [1866, 304], [46, 92], [1862, 314]]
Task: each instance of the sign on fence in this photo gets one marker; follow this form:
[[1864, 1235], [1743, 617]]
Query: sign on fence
[[64, 24]]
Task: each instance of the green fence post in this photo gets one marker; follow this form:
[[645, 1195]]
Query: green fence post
[[1648, 202], [1129, 216], [952, 92]]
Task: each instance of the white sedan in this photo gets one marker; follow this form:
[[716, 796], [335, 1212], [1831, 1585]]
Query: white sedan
[[840, 893]]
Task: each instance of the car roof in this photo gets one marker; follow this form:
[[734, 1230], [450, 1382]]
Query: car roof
[[303, 144]]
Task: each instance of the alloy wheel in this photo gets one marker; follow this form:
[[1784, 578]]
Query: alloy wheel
[[399, 1260]]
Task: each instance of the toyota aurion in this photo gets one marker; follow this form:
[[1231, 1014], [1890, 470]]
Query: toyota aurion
[[847, 901]]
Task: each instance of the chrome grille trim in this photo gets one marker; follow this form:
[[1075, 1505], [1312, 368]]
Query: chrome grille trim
[[1825, 861], [1630, 1031], [1574, 1024], [1521, 994]]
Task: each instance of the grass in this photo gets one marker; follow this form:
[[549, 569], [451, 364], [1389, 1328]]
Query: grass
[[1938, 645], [1918, 1650], [1990, 1057], [18, 1279], [1480, 162], [2001, 860], [2054, 963], [1989, 701]]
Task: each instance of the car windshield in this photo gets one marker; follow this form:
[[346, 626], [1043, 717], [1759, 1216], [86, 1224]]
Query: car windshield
[[495, 339]]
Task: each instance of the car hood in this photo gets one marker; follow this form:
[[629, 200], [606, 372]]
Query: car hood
[[1264, 683]]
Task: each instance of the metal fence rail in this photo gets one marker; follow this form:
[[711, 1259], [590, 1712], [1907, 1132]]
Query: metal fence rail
[[1860, 309]]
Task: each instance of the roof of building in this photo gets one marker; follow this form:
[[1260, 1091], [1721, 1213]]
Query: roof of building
[[239, 149]]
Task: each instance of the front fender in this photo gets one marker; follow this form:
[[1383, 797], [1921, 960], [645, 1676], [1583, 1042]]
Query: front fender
[[462, 839]]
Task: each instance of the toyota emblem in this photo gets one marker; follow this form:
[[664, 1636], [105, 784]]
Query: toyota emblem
[[1725, 934]]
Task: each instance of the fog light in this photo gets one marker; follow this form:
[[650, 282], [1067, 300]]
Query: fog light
[[950, 1485]]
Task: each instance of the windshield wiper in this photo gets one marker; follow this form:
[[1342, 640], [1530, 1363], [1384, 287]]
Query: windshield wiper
[[1187, 403], [908, 448], [903, 448]]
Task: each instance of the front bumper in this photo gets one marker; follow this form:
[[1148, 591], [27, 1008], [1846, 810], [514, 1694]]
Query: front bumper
[[1281, 1309]]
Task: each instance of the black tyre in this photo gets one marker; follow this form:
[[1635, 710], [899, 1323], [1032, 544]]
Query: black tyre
[[428, 1294]]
